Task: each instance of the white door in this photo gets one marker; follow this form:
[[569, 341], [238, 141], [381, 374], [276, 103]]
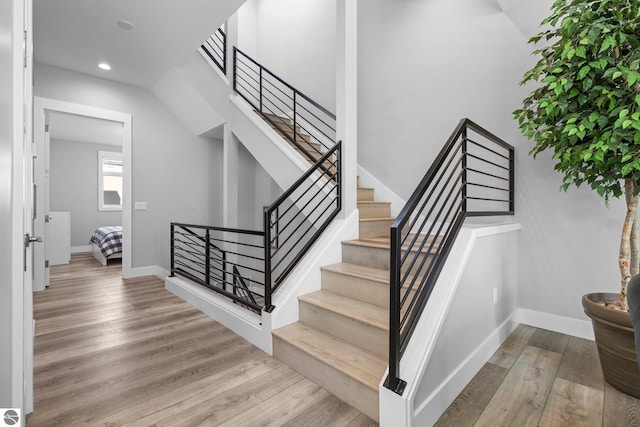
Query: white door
[[28, 211]]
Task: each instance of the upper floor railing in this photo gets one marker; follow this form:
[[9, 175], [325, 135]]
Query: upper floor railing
[[216, 48], [473, 175], [310, 127]]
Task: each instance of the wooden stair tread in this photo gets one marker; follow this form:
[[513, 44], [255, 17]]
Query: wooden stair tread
[[363, 312], [377, 242], [377, 219], [355, 270], [372, 202], [352, 361]]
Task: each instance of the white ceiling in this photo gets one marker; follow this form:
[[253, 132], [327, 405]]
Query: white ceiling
[[72, 127], [79, 34]]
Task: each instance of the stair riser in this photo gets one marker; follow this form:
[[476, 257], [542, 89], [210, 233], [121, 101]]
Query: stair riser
[[358, 288], [374, 210], [372, 257], [365, 194], [379, 228], [369, 337], [356, 394]]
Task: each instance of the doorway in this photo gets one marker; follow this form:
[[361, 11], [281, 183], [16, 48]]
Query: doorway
[[47, 110]]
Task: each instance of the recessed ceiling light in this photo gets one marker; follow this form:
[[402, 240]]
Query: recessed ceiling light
[[125, 25], [104, 66]]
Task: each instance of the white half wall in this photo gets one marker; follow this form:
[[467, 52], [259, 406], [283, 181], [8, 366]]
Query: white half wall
[[467, 317]]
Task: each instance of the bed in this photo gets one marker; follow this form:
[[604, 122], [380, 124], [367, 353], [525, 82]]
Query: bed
[[106, 243]]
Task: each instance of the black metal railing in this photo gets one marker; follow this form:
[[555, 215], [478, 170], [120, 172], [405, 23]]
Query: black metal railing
[[216, 48], [473, 175], [307, 125], [224, 259]]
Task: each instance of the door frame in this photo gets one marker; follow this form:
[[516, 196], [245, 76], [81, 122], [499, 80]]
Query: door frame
[[41, 107]]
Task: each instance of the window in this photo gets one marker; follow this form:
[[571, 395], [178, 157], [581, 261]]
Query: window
[[109, 181]]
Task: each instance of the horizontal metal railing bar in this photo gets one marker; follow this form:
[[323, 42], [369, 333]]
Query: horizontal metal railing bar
[[266, 80], [249, 87], [313, 185], [303, 178], [487, 135], [250, 245], [224, 229], [255, 77], [304, 250], [297, 228], [428, 177], [319, 118], [301, 223], [451, 155], [298, 93], [435, 253], [216, 289], [488, 162], [489, 213], [487, 199], [488, 174], [435, 221], [490, 187], [434, 202], [506, 157], [192, 234], [321, 132]]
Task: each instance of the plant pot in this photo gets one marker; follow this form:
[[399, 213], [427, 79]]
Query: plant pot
[[615, 342]]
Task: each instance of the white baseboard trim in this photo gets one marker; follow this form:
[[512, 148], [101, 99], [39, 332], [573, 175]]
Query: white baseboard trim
[[79, 249], [151, 270], [553, 322], [428, 412]]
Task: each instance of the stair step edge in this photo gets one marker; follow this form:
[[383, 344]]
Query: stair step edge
[[382, 218], [335, 349], [359, 271], [374, 316]]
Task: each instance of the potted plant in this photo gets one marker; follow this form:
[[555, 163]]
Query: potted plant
[[586, 109]]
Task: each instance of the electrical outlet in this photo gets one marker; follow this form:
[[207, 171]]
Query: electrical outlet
[[495, 295]]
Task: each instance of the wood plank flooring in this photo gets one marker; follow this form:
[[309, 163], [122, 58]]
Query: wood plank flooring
[[111, 352], [542, 378]]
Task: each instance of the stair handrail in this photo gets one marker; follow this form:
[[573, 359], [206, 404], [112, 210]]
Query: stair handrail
[[464, 174], [216, 49], [273, 98], [289, 231]]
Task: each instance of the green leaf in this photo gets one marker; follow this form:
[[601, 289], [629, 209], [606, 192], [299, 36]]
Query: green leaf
[[583, 72]]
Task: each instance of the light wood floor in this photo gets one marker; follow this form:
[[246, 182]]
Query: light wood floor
[[542, 378], [113, 352], [127, 352]]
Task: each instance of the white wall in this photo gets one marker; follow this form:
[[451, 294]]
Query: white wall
[[423, 66], [296, 41], [175, 172], [256, 189], [73, 187]]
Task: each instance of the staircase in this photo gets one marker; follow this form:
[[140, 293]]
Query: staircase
[[341, 340]]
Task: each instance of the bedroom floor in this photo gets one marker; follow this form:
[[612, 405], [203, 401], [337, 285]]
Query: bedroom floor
[[115, 352]]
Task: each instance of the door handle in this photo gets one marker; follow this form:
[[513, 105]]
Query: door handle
[[31, 239], [27, 241]]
